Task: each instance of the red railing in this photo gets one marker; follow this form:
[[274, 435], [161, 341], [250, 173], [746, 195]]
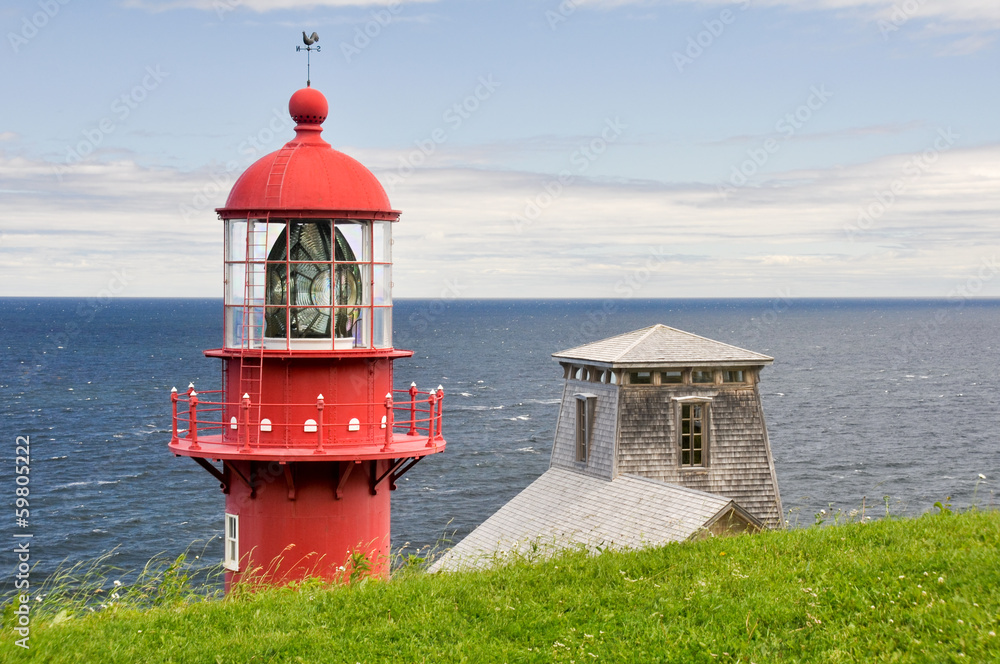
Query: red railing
[[197, 419]]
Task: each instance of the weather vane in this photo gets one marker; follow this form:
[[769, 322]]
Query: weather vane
[[309, 48]]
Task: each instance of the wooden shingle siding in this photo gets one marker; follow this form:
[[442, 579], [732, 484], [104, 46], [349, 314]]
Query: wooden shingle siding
[[601, 460], [739, 461]]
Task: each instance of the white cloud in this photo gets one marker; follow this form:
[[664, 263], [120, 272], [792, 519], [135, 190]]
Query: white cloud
[[797, 232], [223, 6], [968, 15]]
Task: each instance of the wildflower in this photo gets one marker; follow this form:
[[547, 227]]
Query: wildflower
[[117, 582], [890, 621], [114, 595], [981, 476], [902, 576], [940, 579], [992, 633]]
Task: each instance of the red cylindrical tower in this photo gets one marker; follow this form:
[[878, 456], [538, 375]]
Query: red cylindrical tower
[[310, 435]]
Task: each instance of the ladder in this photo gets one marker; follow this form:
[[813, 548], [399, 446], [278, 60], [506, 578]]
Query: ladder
[[252, 328]]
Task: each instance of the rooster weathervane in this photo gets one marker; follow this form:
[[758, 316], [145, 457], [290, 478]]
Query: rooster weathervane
[[308, 40]]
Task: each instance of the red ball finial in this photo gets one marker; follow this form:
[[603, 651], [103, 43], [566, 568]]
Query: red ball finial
[[308, 106]]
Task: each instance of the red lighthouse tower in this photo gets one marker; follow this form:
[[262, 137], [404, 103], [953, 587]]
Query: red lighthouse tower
[[310, 435]]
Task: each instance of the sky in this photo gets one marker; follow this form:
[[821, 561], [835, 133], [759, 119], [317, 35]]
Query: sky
[[537, 148]]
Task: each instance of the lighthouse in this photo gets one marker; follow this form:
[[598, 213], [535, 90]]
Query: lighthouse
[[307, 436]]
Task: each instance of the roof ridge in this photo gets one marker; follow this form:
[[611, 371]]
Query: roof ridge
[[648, 331], [715, 341]]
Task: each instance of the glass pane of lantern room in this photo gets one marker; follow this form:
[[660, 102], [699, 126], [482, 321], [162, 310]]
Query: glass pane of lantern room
[[353, 241], [382, 241], [382, 285], [236, 240], [383, 327]]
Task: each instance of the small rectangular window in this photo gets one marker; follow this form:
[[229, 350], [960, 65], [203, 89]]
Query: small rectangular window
[[231, 560], [733, 376], [702, 376], [640, 378], [672, 377], [693, 434], [585, 412]]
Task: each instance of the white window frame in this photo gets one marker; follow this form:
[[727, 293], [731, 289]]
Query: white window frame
[[231, 556]]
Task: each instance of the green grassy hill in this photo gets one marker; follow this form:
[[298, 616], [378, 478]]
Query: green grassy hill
[[896, 590]]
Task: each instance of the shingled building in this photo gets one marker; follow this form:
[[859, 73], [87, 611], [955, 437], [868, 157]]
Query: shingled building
[[660, 438]]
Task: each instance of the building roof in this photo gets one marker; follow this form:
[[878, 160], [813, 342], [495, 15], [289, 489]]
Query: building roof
[[661, 346], [563, 509]]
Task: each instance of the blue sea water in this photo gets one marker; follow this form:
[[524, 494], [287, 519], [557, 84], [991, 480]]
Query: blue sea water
[[866, 399]]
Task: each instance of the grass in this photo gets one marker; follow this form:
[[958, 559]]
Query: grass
[[893, 590]]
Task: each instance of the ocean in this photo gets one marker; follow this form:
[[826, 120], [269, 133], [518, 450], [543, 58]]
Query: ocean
[[894, 402]]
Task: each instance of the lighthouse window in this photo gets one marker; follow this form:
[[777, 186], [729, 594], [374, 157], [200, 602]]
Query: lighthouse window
[[640, 378], [702, 376], [733, 376], [693, 434], [672, 377], [309, 283], [231, 559]]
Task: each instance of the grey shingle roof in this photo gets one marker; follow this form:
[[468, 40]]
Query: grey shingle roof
[[661, 346], [563, 508]]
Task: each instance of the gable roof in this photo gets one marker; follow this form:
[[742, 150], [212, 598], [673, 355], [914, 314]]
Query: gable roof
[[660, 345], [562, 509]]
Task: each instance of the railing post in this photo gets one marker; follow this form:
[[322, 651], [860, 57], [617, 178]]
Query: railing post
[[173, 407], [245, 412], [431, 424], [319, 426], [440, 404], [388, 421], [193, 427], [413, 410]]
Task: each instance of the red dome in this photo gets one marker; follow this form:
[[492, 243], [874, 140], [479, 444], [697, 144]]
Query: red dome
[[307, 174]]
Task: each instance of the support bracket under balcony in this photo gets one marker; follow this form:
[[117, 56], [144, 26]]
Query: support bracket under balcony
[[214, 472]]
